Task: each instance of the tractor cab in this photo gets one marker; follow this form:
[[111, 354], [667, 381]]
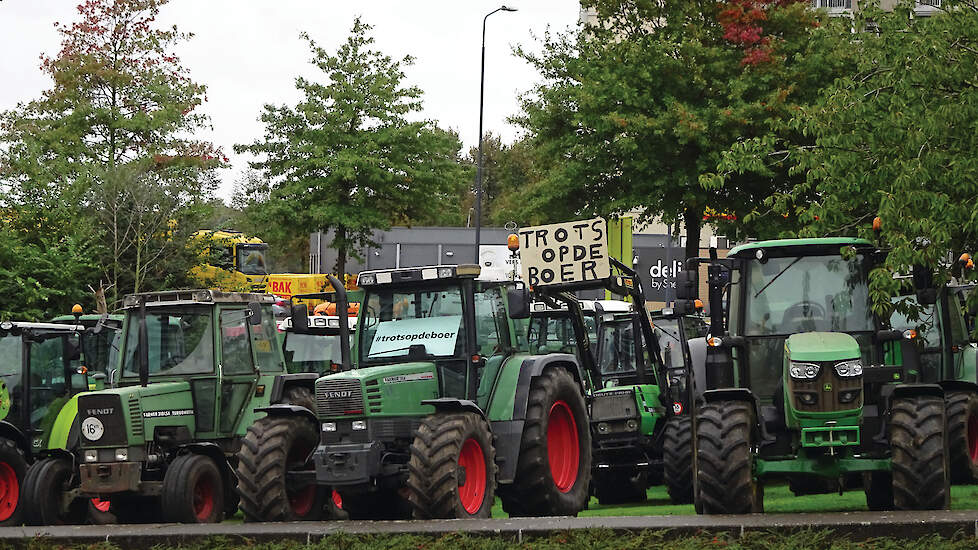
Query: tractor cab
[[316, 347]]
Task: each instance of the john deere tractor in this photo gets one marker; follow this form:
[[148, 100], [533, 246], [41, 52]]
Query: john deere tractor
[[803, 383], [195, 371], [443, 406]]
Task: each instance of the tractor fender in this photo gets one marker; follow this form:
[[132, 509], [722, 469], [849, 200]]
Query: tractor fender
[[958, 386], [13, 433], [215, 453], [740, 394], [284, 381], [54, 453], [289, 410], [910, 390], [532, 367], [450, 404]]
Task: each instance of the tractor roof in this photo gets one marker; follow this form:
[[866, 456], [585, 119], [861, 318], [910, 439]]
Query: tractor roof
[[417, 274], [797, 246], [15, 327], [172, 297]]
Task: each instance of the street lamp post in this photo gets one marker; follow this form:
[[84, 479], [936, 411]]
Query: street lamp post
[[478, 168]]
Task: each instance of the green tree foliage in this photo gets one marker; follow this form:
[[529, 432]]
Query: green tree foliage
[[103, 156], [508, 171], [347, 158], [634, 110], [895, 138]]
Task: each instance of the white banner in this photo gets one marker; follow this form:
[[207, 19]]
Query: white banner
[[437, 334]]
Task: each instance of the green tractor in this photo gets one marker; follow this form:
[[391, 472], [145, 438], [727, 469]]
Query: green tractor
[[443, 404], [804, 383], [42, 373], [196, 369], [949, 359]]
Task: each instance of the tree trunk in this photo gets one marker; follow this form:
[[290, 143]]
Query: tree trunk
[[693, 220], [340, 243]]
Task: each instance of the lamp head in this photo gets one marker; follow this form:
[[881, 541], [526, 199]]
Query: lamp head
[[507, 8]]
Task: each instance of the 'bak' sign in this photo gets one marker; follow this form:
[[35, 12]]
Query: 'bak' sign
[[564, 253]]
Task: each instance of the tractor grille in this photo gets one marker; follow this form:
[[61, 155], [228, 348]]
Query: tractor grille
[[338, 397], [136, 416], [613, 405], [828, 392]]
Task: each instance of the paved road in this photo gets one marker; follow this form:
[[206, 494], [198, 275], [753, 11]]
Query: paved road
[[859, 525]]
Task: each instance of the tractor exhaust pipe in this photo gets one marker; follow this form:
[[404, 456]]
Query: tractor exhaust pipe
[[143, 345], [342, 310]]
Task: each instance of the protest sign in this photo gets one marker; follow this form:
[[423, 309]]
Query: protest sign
[[563, 253]]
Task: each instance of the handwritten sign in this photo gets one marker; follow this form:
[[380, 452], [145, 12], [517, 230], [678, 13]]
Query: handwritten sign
[[564, 253]]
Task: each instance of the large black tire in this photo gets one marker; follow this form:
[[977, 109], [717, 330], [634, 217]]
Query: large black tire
[[962, 435], [193, 490], [452, 470], [129, 508], [273, 446], [620, 487], [919, 454], [13, 468], [725, 472], [301, 396], [879, 491], [555, 410], [45, 482], [100, 512], [677, 459]]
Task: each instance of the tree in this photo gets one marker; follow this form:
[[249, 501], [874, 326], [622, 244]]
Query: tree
[[635, 109], [107, 147], [507, 172], [895, 139], [346, 158]]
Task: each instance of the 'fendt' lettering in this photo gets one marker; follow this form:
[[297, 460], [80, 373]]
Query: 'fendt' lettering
[[92, 412], [339, 394]]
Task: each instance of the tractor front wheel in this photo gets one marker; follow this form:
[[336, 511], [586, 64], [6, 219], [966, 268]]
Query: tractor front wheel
[[452, 470], [45, 483], [13, 468], [725, 459], [193, 490], [553, 473], [919, 454], [962, 435], [620, 487], [677, 459], [274, 446]]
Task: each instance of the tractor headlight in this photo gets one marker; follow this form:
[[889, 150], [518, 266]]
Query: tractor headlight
[[329, 426], [445, 272], [848, 396], [803, 371], [631, 425], [366, 279], [359, 425], [807, 398], [603, 428], [121, 455], [91, 455], [849, 368]]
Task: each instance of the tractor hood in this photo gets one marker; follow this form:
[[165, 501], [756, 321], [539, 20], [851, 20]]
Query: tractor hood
[[388, 390], [821, 346], [124, 416]]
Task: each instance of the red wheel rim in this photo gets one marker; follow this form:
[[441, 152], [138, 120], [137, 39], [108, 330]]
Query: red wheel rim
[[973, 437], [204, 498], [101, 505], [304, 498], [9, 491], [337, 500], [563, 446], [473, 461]]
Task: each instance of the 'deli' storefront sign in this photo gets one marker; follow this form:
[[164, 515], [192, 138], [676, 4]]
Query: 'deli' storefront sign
[[563, 253]]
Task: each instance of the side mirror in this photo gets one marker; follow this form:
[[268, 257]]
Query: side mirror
[[300, 318], [927, 296], [254, 313], [923, 279], [72, 350], [687, 284], [684, 307], [518, 301]]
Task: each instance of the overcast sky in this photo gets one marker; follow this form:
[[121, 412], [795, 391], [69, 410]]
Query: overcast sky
[[248, 53]]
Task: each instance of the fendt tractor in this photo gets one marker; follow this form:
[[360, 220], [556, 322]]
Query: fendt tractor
[[446, 404], [196, 370], [949, 359], [803, 382], [42, 369]]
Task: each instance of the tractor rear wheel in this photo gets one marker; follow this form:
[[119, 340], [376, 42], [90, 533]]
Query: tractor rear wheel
[[383, 504], [301, 396], [274, 446], [13, 468], [919, 454], [45, 483], [553, 472], [725, 460], [100, 512], [879, 491], [620, 487], [452, 471], [962, 435], [193, 490], [677, 459]]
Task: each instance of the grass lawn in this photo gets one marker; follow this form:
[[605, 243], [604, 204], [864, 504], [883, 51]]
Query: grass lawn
[[777, 498]]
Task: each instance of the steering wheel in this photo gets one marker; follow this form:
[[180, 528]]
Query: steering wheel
[[805, 310]]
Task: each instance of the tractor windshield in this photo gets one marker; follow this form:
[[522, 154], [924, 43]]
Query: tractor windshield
[[251, 259], [312, 352], [180, 341], [404, 324], [616, 348]]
